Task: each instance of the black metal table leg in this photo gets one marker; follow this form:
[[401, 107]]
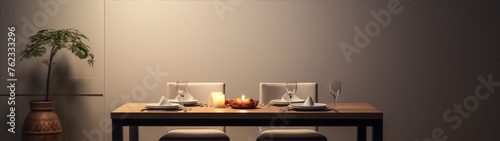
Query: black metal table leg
[[117, 130], [362, 133], [133, 133], [378, 131]]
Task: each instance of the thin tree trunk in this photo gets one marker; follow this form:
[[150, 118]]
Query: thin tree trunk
[[48, 80], [53, 52]]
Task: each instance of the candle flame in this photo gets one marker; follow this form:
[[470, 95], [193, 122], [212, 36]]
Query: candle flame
[[242, 97]]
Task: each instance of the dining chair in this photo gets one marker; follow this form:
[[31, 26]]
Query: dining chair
[[270, 91], [202, 92]]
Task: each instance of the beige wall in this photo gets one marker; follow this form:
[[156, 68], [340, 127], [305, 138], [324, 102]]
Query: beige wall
[[70, 75], [426, 60]]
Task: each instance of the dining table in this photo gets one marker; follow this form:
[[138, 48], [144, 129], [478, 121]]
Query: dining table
[[360, 115]]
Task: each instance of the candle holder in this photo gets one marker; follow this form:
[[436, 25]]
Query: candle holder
[[248, 103]]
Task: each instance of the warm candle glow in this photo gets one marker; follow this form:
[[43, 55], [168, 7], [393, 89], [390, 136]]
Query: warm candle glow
[[243, 103], [218, 100]]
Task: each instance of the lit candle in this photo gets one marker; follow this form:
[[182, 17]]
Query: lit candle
[[218, 100], [246, 101], [212, 97], [243, 103]]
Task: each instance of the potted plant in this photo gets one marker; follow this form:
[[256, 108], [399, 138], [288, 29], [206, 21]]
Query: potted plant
[[42, 123]]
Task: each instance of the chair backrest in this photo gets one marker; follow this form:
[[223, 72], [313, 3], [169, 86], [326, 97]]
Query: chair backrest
[[269, 91], [199, 90]]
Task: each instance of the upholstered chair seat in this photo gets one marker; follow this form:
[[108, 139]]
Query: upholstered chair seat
[[195, 135], [291, 135]]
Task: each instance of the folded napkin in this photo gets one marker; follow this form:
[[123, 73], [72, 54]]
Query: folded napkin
[[164, 101], [187, 97], [309, 101], [286, 97]]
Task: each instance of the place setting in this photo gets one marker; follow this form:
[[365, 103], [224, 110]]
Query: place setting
[[163, 104], [285, 100], [184, 98], [289, 97], [308, 105], [187, 101], [169, 104], [293, 102]]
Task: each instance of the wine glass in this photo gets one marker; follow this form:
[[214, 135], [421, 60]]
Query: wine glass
[[335, 89], [182, 87], [291, 88]]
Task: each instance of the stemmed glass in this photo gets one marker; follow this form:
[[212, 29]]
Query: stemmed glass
[[335, 88], [291, 88], [182, 88]]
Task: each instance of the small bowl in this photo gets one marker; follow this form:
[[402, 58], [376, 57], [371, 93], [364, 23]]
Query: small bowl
[[244, 106]]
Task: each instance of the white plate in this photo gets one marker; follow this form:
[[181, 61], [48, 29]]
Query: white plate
[[156, 106], [284, 103], [317, 106], [186, 103]]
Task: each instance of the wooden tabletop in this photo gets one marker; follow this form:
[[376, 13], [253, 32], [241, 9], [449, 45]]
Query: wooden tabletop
[[347, 111]]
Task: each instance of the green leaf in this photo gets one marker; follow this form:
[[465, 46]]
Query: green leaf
[[82, 54], [57, 40]]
